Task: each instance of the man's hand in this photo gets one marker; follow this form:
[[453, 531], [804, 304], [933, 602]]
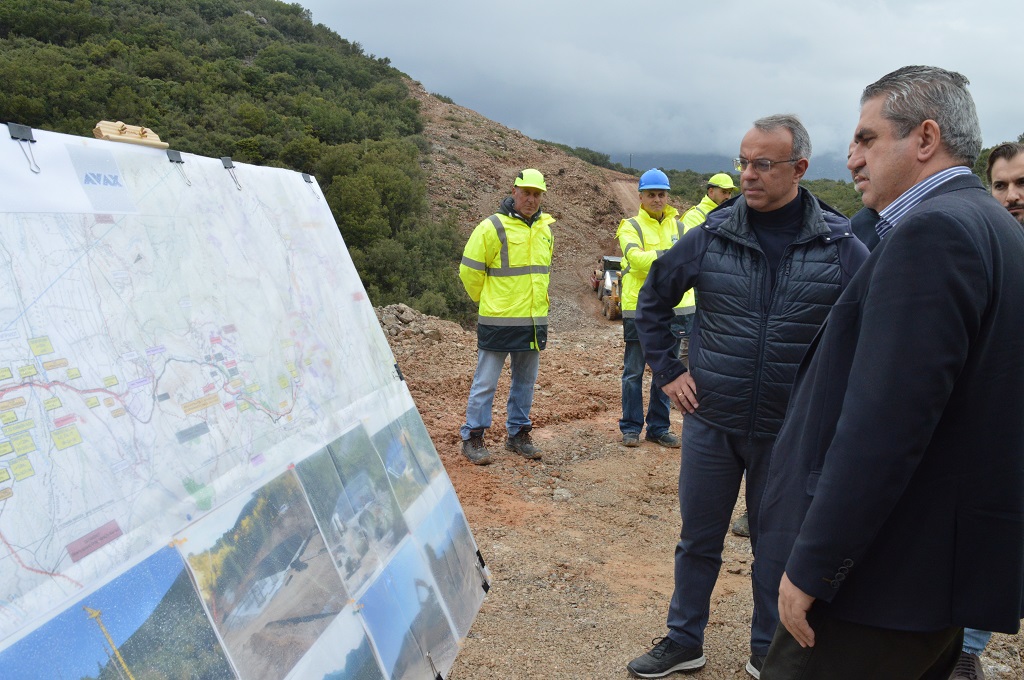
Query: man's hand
[[682, 392], [793, 607]]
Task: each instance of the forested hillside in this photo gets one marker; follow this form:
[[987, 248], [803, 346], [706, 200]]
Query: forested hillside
[[255, 80]]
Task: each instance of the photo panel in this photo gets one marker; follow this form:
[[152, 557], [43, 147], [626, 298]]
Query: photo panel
[[266, 576], [343, 652], [450, 551], [403, 612], [149, 621], [354, 504]]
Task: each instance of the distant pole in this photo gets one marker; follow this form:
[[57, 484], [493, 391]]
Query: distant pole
[[631, 160]]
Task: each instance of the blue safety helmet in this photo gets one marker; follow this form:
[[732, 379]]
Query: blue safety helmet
[[653, 179]]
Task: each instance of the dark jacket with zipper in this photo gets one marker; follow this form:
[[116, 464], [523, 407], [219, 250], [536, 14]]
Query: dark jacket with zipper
[[748, 336]]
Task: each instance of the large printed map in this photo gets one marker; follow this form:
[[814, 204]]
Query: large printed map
[[168, 333]]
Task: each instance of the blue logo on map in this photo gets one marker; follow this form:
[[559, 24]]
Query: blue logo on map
[[102, 179]]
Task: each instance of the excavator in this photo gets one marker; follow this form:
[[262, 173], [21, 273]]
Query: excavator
[[606, 280]]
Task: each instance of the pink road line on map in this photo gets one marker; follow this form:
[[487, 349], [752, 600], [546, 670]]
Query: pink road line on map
[[33, 570]]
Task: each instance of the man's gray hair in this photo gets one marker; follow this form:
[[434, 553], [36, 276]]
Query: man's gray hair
[[914, 94], [801, 140]]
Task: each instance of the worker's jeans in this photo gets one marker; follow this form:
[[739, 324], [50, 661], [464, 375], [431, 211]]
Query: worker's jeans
[[710, 469], [975, 641], [633, 397], [520, 396]]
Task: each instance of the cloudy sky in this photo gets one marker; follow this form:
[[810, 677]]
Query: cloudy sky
[[669, 76]]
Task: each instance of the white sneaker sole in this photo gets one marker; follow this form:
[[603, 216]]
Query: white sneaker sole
[[753, 671]]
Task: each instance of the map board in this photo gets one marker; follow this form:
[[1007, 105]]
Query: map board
[[210, 466]]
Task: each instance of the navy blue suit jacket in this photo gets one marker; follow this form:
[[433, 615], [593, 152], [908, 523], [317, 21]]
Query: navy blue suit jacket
[[896, 489]]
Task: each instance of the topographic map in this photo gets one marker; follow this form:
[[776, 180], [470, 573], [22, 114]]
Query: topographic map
[[170, 333]]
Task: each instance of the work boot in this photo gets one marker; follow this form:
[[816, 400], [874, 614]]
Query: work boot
[[968, 667], [522, 445], [666, 439], [741, 527], [631, 439], [475, 450]]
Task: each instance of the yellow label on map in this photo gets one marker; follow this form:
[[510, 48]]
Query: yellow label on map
[[15, 428], [190, 407], [5, 374], [6, 493], [40, 345], [287, 343], [22, 468], [5, 448], [243, 406], [290, 365], [308, 361], [23, 444], [109, 402], [8, 417], [27, 371], [92, 402], [52, 403], [118, 412], [74, 373], [110, 381], [252, 388], [4, 475], [65, 437], [17, 402], [283, 382], [56, 363], [236, 384]]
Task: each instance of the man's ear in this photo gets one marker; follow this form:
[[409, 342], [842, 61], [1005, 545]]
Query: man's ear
[[930, 140], [800, 167]]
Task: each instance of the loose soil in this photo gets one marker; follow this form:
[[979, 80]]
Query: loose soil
[[579, 544]]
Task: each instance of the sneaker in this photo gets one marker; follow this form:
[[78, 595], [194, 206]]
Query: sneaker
[[631, 439], [968, 667], [522, 445], [666, 439], [475, 450], [667, 656], [754, 665], [741, 527]]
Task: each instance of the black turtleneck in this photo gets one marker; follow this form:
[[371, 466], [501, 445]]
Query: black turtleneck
[[776, 229]]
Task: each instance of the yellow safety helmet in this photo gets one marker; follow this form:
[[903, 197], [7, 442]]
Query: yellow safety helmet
[[531, 178]]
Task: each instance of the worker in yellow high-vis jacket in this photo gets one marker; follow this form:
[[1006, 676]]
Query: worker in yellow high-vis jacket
[[720, 189], [505, 269], [643, 239]]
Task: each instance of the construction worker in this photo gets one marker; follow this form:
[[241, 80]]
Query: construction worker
[[719, 190], [505, 269], [642, 239]]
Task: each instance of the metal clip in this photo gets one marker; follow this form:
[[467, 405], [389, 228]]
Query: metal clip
[[23, 134], [179, 163], [230, 167], [309, 181], [433, 668]]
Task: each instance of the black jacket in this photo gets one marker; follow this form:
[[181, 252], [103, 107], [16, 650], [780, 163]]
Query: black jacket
[[898, 479], [744, 352]]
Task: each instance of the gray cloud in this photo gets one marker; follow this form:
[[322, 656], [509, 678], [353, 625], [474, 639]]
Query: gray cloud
[[673, 77]]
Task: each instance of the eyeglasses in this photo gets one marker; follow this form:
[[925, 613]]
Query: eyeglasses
[[760, 164]]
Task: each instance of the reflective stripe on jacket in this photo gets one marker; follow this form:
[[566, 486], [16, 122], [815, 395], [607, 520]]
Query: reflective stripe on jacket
[[695, 217], [505, 268], [642, 240]]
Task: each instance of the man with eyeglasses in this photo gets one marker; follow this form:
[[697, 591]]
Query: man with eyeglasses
[[766, 269], [896, 497]]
